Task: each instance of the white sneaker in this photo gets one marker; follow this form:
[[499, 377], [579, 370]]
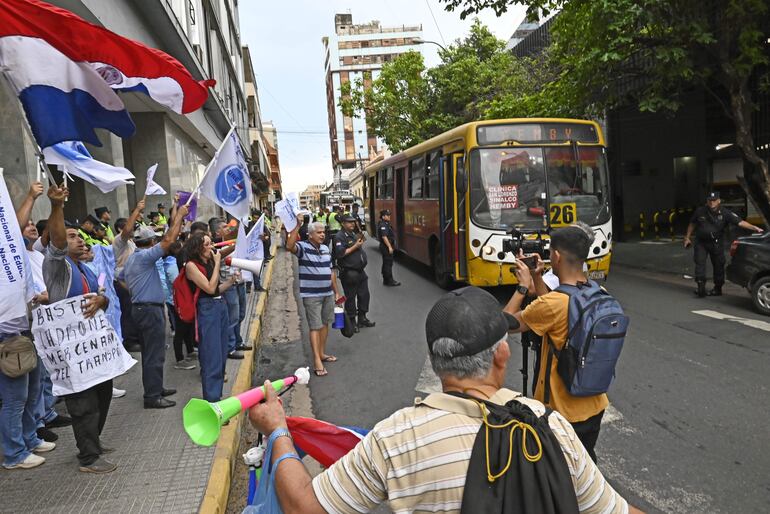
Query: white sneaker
[[32, 461], [45, 446], [118, 393]]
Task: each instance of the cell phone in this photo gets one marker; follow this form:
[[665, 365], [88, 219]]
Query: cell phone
[[530, 261]]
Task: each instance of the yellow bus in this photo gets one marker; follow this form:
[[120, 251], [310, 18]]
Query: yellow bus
[[462, 200]]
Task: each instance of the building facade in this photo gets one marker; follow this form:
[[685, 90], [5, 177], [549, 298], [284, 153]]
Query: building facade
[[204, 35], [260, 161], [352, 53], [310, 198], [270, 138]]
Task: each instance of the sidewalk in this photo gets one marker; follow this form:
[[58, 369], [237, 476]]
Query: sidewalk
[[159, 469]]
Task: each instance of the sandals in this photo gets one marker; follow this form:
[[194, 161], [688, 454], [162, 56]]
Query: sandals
[[320, 372], [329, 358]]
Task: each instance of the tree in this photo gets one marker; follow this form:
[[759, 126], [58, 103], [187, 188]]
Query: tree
[[477, 79], [649, 51]]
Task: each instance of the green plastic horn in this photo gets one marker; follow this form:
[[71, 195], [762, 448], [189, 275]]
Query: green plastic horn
[[203, 420]]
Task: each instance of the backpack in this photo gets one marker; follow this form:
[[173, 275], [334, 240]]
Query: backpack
[[596, 332], [185, 299], [516, 464]]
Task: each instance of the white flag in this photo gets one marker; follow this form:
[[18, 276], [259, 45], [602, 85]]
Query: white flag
[[285, 211], [153, 188], [16, 280], [293, 199], [227, 182], [250, 246], [73, 159]]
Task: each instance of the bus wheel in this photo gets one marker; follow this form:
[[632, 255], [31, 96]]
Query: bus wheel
[[440, 274]]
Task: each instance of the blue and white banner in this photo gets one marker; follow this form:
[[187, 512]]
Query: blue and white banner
[[16, 279], [73, 158], [227, 182], [250, 246], [153, 188]]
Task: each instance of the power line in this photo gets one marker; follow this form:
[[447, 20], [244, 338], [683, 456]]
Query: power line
[[435, 22], [262, 87]]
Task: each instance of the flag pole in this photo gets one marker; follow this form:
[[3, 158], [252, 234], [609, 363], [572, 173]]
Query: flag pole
[[13, 90], [213, 160]]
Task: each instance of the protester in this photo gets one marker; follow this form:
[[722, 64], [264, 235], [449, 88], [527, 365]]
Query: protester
[[222, 232], [123, 247], [418, 458], [104, 216], [547, 316], [148, 302], [66, 278], [211, 311], [317, 288]]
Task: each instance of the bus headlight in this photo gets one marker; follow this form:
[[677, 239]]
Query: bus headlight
[[488, 250]]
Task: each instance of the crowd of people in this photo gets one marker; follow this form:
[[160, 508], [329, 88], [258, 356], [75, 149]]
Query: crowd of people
[[146, 256]]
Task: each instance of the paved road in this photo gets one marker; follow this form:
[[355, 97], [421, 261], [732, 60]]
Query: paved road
[[688, 428]]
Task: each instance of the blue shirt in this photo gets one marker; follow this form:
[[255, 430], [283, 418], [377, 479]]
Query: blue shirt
[[315, 270], [142, 276]]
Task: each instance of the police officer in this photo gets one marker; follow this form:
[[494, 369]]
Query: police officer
[[387, 247], [357, 217], [709, 223], [351, 261]]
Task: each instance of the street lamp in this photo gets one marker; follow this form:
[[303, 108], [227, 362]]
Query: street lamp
[[420, 41]]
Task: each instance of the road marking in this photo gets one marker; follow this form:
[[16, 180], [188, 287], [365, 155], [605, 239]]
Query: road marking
[[753, 323]]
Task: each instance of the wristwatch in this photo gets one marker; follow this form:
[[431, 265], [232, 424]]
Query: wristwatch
[[521, 289]]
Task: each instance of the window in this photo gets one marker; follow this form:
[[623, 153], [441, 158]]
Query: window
[[416, 176], [385, 184], [432, 189]]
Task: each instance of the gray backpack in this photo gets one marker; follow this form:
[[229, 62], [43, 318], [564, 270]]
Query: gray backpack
[[17, 356]]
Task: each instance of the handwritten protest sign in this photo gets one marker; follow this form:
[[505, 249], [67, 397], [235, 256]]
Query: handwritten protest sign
[[77, 352]]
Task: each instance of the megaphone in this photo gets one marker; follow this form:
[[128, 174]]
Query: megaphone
[[203, 420], [245, 264]]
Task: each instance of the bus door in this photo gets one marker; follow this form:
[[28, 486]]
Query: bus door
[[399, 178], [459, 191], [370, 195], [447, 214]]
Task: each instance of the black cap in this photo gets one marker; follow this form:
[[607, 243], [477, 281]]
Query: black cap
[[71, 224], [100, 210], [384, 212], [471, 317], [92, 220], [161, 206], [345, 217], [714, 195]]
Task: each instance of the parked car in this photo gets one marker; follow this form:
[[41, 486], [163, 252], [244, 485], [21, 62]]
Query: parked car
[[750, 268]]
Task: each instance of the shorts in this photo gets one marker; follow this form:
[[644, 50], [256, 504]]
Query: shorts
[[319, 311]]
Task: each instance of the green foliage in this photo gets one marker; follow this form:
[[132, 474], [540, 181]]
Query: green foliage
[[477, 79]]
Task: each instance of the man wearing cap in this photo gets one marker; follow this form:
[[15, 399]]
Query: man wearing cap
[[86, 230], [162, 219], [104, 216], [357, 216], [709, 223], [123, 247], [147, 310], [387, 247], [418, 458], [347, 247]]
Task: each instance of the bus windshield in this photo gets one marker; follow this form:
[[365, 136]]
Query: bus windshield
[[509, 186]]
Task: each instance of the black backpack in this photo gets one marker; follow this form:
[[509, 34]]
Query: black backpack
[[537, 478]]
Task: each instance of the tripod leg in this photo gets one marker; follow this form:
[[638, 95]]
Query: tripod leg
[[524, 363]]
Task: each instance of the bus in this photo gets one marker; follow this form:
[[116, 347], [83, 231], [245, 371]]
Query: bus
[[458, 197]]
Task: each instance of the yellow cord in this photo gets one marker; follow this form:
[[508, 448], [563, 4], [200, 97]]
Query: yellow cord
[[525, 429]]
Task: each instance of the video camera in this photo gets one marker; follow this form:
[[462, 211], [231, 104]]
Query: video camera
[[519, 241]]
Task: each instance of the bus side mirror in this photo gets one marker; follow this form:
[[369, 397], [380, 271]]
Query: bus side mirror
[[462, 180]]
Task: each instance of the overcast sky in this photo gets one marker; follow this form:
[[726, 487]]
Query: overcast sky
[[285, 41]]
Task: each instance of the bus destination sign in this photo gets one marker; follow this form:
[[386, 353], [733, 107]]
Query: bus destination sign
[[533, 133]]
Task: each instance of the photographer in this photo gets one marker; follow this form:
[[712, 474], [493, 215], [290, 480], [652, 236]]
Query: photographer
[[547, 316]]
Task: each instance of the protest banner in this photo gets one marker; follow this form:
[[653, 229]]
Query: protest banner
[[250, 246], [77, 352], [16, 280], [284, 210], [189, 199]]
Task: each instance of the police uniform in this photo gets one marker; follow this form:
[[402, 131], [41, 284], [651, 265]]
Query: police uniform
[[384, 229], [352, 274], [710, 226]]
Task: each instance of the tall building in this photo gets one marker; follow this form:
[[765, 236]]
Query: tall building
[[358, 52], [260, 161], [524, 29], [205, 37], [270, 138]]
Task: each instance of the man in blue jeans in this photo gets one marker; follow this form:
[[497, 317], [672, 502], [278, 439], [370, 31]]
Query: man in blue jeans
[[147, 309]]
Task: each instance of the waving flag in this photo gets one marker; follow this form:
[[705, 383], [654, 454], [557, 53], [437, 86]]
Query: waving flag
[[73, 159], [325, 442], [250, 246], [65, 70], [153, 188], [227, 182]]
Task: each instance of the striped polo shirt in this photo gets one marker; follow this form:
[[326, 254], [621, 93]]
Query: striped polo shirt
[[315, 270], [417, 459]]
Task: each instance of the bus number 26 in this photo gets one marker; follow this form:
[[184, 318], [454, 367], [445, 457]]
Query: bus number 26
[[562, 214]]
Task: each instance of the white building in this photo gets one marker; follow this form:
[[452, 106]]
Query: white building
[[357, 52]]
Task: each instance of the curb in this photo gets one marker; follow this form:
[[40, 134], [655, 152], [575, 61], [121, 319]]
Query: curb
[[218, 487]]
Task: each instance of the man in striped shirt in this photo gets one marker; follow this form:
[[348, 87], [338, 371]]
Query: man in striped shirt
[[317, 288], [417, 459]]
